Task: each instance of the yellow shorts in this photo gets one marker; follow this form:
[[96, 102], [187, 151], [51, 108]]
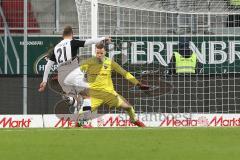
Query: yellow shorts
[[112, 99]]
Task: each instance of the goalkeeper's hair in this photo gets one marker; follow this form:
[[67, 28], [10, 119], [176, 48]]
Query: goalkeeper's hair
[[102, 44]]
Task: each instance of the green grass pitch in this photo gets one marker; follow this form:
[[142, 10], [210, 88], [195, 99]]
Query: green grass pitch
[[120, 144]]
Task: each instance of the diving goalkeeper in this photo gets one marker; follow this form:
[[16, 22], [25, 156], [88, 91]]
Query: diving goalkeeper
[[98, 70]]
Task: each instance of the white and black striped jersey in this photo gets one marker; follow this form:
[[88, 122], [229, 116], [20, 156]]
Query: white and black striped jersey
[[66, 50]]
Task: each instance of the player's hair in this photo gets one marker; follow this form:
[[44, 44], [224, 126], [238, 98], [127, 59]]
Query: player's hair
[[100, 45], [67, 31]]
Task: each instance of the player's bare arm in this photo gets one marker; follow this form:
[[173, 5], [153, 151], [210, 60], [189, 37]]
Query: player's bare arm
[[43, 84]]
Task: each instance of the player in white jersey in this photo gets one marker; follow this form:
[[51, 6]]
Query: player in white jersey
[[70, 77]]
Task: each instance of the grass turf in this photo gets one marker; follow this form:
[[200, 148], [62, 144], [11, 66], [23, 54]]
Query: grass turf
[[122, 143]]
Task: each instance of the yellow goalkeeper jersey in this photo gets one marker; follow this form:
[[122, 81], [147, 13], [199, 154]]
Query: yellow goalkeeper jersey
[[99, 73]]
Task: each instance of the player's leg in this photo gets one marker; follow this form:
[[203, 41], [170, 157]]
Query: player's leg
[[129, 109], [70, 99], [76, 78], [123, 103], [84, 109], [131, 112], [69, 103], [86, 114], [116, 100], [67, 92], [77, 81], [73, 100]]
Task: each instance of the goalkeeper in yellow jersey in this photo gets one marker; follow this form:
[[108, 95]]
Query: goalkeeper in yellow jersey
[[98, 70]]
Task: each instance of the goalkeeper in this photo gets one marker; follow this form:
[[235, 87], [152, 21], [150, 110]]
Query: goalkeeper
[[98, 70]]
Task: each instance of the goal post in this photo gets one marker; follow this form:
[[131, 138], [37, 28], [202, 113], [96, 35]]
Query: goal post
[[146, 36]]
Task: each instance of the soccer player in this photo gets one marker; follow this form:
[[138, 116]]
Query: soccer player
[[98, 70], [70, 77]]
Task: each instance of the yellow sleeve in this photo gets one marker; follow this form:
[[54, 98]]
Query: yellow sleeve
[[124, 73], [84, 65]]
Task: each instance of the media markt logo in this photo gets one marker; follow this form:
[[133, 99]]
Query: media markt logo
[[6, 122], [40, 63]]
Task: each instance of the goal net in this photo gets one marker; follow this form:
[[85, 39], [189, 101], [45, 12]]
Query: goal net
[[148, 34]]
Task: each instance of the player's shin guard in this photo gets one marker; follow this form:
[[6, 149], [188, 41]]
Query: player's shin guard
[[85, 113]]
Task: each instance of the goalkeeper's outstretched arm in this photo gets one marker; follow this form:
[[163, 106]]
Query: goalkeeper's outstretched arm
[[127, 75]]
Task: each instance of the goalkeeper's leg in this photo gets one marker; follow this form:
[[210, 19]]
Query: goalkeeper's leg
[[118, 101], [131, 112]]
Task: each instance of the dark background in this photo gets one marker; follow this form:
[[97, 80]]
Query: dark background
[[173, 94]]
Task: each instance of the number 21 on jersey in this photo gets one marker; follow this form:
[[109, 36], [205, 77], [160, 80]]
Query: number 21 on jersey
[[63, 53]]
